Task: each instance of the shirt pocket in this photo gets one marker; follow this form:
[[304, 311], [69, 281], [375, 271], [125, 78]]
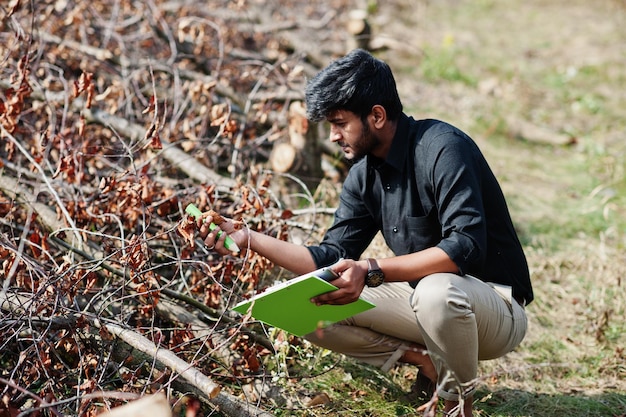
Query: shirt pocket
[[423, 231]]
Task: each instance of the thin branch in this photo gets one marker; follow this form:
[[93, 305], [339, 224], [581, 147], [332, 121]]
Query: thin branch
[[37, 398], [46, 180]]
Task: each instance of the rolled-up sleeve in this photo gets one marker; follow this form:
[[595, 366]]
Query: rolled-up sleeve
[[455, 177]]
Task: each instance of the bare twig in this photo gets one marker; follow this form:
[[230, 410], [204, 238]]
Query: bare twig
[[46, 180]]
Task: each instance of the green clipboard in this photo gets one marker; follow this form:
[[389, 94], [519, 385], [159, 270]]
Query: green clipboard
[[288, 305]]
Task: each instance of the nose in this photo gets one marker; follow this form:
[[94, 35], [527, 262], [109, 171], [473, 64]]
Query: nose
[[335, 134]]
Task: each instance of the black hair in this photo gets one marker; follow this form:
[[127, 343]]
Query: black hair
[[355, 82]]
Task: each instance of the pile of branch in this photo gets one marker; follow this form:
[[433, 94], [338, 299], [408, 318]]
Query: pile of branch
[[113, 117]]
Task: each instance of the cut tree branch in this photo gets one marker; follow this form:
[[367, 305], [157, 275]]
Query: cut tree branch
[[187, 371], [183, 161]]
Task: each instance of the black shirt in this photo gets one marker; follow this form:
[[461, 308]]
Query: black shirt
[[435, 188]]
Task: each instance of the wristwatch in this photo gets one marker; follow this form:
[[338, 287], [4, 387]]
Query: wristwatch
[[375, 275]]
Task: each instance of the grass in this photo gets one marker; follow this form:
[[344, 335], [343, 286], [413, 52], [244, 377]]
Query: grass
[[516, 403], [440, 65]]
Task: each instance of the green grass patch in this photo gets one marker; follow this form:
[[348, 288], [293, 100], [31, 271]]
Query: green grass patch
[[508, 403], [442, 64]]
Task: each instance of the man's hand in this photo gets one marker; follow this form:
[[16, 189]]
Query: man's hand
[[350, 283], [214, 239]]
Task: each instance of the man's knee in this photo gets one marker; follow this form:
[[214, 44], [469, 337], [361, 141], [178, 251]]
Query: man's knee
[[437, 297]]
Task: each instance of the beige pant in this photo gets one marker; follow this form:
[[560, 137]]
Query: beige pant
[[459, 319]]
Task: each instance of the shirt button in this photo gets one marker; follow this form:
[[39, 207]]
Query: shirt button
[[387, 187], [395, 230]]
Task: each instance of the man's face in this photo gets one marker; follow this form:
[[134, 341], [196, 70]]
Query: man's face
[[348, 131]]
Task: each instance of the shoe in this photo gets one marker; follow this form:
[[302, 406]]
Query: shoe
[[421, 391]]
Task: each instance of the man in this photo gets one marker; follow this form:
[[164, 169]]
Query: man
[[454, 292]]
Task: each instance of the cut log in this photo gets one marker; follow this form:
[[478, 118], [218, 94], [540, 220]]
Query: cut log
[[153, 406], [283, 157], [360, 29], [298, 125]]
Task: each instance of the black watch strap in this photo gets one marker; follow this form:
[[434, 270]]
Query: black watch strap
[[375, 275], [372, 265]]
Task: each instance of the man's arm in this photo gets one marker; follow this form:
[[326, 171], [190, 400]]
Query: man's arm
[[410, 267], [294, 258], [414, 266]]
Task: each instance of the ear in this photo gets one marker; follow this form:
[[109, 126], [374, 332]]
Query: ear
[[378, 116]]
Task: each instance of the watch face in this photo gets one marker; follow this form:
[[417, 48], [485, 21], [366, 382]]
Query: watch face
[[375, 278]]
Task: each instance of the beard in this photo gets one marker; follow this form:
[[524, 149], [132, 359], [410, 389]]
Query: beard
[[364, 145]]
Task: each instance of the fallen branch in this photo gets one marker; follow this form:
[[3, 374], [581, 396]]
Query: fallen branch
[[13, 189], [228, 404], [183, 161], [10, 185], [534, 133], [232, 406], [166, 357], [123, 61], [37, 398]]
